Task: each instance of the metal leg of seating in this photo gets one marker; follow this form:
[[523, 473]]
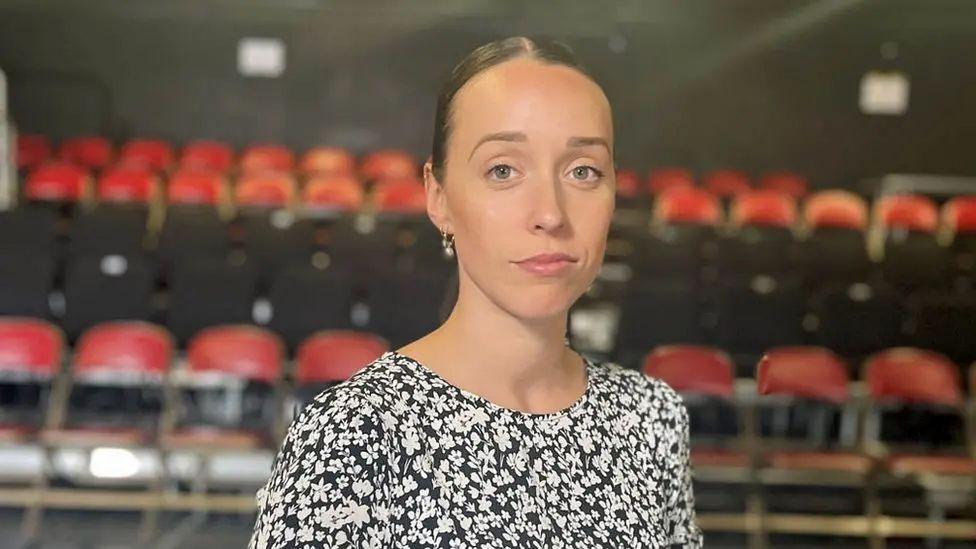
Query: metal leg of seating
[[756, 518], [149, 522], [53, 418], [33, 512], [936, 514], [872, 502], [755, 499], [201, 481]]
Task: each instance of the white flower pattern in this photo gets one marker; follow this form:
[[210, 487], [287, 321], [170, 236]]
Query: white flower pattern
[[398, 457]]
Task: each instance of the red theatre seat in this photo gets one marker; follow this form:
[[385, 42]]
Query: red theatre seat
[[334, 356], [132, 356], [959, 214], [811, 373], [127, 185], [628, 184], [914, 376], [662, 179], [123, 347], [788, 182], [726, 183], [57, 183], [151, 154], [911, 212], [404, 195], [31, 351], [90, 152], [267, 158], [342, 193], [765, 208], [193, 186], [687, 205], [692, 369], [228, 359], [836, 209], [328, 161], [32, 151], [241, 352], [919, 377], [695, 370], [265, 190], [209, 156], [389, 164]]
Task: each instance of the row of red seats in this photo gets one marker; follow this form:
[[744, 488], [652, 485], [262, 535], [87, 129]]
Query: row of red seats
[[832, 208], [829, 208], [904, 374], [112, 352], [98, 153], [863, 455], [724, 183], [65, 182], [138, 350]]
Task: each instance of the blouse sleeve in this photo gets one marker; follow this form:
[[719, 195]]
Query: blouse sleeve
[[326, 481], [681, 512]]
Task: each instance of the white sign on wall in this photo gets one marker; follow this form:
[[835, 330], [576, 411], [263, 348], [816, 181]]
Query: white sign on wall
[[884, 93], [261, 57]]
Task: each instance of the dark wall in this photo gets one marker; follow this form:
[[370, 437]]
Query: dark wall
[[757, 85]]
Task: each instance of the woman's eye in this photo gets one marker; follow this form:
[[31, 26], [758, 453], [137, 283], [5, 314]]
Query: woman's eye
[[584, 173], [501, 172]]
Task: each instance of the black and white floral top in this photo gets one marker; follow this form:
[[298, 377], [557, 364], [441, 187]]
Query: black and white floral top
[[399, 457]]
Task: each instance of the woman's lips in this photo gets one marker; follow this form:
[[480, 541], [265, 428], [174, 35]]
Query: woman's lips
[[547, 264]]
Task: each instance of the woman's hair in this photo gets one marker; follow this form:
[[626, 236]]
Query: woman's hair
[[481, 59]]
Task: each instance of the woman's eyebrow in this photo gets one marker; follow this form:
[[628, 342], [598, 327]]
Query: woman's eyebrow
[[587, 141], [499, 136]]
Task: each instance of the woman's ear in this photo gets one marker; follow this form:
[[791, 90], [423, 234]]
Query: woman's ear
[[437, 209]]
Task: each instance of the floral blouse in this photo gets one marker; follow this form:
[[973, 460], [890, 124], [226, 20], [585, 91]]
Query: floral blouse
[[399, 457]]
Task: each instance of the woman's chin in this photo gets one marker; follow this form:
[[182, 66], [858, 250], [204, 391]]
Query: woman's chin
[[540, 305]]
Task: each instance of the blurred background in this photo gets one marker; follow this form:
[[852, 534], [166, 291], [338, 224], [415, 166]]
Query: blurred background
[[211, 210]]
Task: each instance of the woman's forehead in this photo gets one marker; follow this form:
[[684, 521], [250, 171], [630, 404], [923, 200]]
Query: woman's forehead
[[534, 98]]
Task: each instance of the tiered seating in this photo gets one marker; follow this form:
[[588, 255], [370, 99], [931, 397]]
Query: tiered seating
[[801, 426], [330, 357], [702, 271], [663, 179], [786, 182], [58, 183], [629, 189], [207, 156], [759, 298], [29, 259], [31, 354], [726, 184], [227, 398], [130, 426], [661, 302], [149, 154], [32, 151], [328, 162], [252, 263], [911, 256], [267, 158], [89, 152], [959, 227]]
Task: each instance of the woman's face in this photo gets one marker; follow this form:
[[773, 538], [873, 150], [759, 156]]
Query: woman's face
[[529, 171]]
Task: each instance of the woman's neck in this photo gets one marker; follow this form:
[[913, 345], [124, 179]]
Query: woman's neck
[[514, 363]]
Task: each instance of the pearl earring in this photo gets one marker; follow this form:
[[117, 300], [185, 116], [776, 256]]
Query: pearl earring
[[447, 242]]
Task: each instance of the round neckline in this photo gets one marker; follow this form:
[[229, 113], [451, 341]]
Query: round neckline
[[475, 398]]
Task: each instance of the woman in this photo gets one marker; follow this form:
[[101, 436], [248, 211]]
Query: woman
[[490, 431]]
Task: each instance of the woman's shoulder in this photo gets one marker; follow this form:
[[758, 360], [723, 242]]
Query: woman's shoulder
[[641, 390], [362, 401]]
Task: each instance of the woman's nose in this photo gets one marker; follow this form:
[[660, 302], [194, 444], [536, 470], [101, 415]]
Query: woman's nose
[[549, 211]]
